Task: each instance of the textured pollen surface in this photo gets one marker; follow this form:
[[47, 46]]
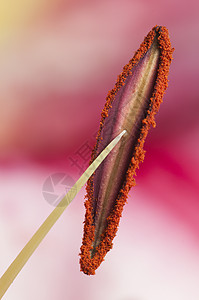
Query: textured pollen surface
[[89, 260]]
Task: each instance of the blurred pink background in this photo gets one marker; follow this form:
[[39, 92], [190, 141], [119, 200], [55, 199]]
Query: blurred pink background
[[58, 59]]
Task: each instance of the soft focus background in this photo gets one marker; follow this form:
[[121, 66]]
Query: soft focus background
[[58, 59]]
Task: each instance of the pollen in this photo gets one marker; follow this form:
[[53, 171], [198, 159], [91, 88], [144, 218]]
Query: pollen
[[131, 105]]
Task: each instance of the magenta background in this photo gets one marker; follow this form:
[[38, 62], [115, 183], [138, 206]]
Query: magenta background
[[57, 65]]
